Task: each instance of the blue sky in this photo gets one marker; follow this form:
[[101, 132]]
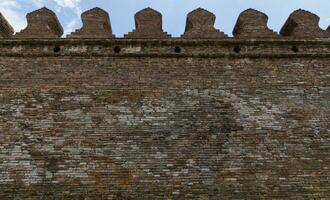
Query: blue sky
[[174, 12]]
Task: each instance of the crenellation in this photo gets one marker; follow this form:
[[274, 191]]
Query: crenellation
[[96, 24], [200, 24], [303, 24], [148, 24], [6, 30], [253, 24], [42, 23], [203, 116]]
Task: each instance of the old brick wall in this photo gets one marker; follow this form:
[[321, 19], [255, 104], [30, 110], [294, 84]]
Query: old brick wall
[[165, 118]]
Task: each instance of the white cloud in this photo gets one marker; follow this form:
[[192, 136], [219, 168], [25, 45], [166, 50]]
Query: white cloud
[[68, 3], [71, 26], [62, 4], [10, 10], [37, 2], [73, 5], [15, 10]]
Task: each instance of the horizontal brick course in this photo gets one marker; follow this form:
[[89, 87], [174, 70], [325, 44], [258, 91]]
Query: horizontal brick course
[[126, 127], [168, 118]]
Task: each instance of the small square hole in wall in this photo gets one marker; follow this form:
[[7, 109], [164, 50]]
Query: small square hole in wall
[[295, 49], [177, 49], [57, 49], [117, 49], [237, 49]]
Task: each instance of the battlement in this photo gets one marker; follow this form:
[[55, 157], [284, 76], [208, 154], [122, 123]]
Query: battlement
[[300, 36], [150, 116], [43, 23]]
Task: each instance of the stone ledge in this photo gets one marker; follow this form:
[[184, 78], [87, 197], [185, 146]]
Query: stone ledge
[[165, 48]]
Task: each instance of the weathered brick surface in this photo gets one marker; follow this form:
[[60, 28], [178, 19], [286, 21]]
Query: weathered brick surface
[[252, 23], [6, 31], [41, 23], [148, 24], [96, 24], [200, 24], [159, 118], [303, 24], [171, 126]]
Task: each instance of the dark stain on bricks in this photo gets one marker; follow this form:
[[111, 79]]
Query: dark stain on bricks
[[243, 117]]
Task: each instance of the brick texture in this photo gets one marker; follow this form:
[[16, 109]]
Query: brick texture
[[42, 23], [200, 24], [6, 30], [252, 23], [96, 24], [148, 24], [138, 119], [303, 24]]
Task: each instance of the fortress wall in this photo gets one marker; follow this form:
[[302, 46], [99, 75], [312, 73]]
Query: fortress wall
[[161, 118]]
